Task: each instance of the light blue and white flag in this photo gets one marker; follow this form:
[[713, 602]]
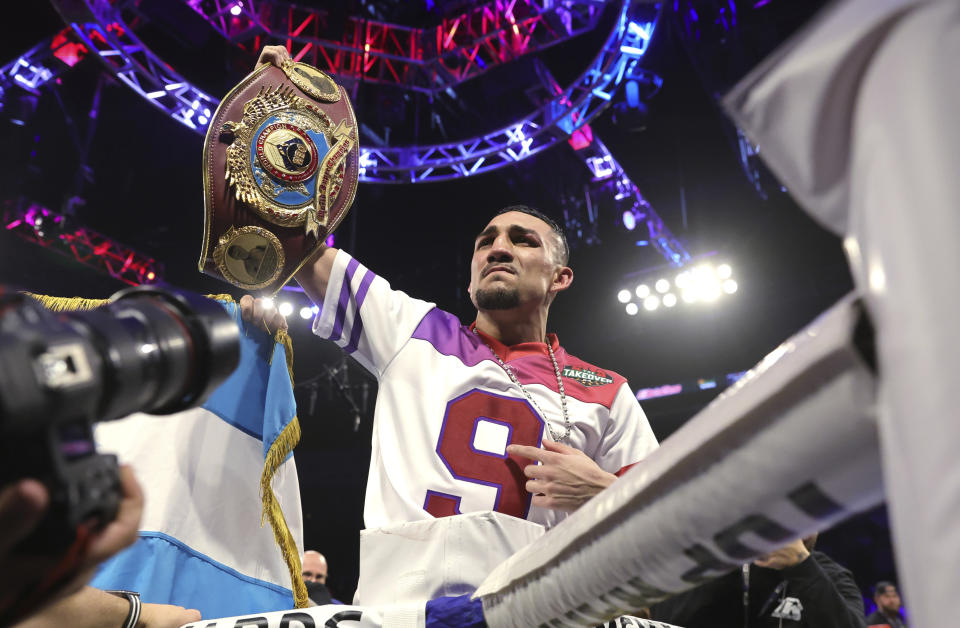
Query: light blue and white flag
[[217, 481]]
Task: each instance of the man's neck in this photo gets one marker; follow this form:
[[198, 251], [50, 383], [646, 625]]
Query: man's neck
[[511, 327]]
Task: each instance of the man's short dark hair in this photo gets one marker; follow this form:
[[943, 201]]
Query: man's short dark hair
[[882, 586], [536, 213]]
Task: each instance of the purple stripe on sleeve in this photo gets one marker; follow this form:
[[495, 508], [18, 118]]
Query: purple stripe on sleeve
[[444, 331], [364, 286], [358, 318], [344, 300]]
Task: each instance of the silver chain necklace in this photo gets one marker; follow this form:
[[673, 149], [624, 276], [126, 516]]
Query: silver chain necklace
[[526, 393]]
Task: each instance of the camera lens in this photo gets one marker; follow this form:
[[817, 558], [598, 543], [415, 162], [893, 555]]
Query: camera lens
[[161, 352]]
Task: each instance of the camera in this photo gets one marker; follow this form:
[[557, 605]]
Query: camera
[[146, 350]]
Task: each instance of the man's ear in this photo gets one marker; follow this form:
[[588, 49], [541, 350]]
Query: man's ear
[[562, 279]]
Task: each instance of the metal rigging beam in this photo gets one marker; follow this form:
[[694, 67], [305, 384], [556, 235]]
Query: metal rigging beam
[[421, 59]]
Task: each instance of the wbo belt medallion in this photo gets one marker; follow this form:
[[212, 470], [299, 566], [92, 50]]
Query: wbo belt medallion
[[289, 159]]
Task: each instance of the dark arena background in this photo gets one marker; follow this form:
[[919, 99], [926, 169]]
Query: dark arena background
[[603, 114]]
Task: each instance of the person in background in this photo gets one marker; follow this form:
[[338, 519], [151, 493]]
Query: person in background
[[792, 587], [887, 599], [314, 566]]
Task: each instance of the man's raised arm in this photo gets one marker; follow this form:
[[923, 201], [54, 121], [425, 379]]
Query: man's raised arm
[[315, 274]]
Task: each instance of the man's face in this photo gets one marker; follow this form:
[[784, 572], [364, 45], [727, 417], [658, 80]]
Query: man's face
[[889, 600], [515, 259], [314, 568]]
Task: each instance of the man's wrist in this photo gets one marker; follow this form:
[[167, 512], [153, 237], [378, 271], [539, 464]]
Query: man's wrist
[[135, 606]]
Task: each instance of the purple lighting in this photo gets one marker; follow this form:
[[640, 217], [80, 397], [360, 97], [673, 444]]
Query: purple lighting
[[236, 9]]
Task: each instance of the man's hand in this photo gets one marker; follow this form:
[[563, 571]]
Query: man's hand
[[273, 54], [166, 616], [787, 556], [565, 478], [262, 313]]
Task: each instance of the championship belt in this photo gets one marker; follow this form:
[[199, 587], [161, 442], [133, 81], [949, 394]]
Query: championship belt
[[280, 166]]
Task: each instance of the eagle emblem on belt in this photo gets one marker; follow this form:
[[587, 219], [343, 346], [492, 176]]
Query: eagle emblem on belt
[[286, 159]]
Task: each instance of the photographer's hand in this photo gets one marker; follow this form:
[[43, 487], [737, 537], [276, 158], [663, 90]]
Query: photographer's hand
[[166, 616], [93, 608], [22, 506], [122, 531]]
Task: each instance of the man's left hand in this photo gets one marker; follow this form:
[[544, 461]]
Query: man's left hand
[[565, 478], [787, 556]]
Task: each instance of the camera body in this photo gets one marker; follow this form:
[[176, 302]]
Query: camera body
[[146, 350]]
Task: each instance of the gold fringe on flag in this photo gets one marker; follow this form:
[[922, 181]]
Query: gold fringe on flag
[[67, 304], [279, 449]]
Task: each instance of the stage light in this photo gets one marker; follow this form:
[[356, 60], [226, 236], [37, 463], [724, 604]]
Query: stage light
[[710, 292], [315, 309], [703, 270], [629, 220], [151, 276], [702, 283], [367, 160], [202, 119], [305, 313], [286, 308], [632, 309], [632, 92], [267, 303], [236, 9]]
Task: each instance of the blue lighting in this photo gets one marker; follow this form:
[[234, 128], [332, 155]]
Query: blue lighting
[[632, 91], [629, 220]]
